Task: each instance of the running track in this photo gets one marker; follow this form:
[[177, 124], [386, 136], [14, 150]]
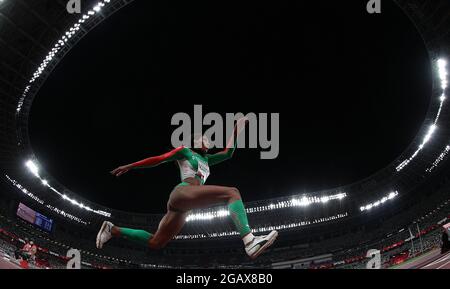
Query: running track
[[6, 264], [431, 260]]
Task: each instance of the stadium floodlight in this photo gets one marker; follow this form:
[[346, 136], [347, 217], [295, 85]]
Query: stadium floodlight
[[304, 201], [439, 159], [24, 190], [207, 216], [57, 47], [32, 167], [376, 204], [265, 228], [443, 75], [99, 6], [442, 67], [430, 133], [32, 196]]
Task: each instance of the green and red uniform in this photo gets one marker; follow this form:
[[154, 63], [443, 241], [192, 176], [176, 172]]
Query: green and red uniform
[[191, 165]]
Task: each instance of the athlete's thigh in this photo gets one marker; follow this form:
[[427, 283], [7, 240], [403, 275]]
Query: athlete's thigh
[[196, 197]]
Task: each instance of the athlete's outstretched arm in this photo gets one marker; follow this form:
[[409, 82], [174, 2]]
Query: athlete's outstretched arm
[[151, 161], [228, 152]]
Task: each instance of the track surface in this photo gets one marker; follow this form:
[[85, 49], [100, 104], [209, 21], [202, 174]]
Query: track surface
[[431, 260], [7, 264]]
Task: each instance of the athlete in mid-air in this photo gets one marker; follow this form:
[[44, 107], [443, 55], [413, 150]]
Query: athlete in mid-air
[[192, 194]]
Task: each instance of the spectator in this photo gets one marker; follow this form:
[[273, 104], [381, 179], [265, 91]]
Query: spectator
[[24, 253], [32, 251]]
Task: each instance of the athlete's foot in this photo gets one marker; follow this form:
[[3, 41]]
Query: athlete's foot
[[259, 244], [104, 235]]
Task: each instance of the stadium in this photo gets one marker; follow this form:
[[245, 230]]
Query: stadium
[[400, 210]]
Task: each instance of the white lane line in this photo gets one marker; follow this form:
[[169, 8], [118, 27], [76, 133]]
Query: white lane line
[[440, 259], [446, 263]]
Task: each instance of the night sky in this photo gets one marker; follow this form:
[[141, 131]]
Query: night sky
[[352, 91]]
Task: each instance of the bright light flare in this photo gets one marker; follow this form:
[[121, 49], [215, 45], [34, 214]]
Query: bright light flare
[[32, 167], [378, 203]]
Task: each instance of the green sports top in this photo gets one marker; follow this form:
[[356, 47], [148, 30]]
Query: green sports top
[[191, 164]]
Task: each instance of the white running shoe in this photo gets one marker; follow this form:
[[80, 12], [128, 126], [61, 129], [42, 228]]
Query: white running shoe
[[259, 244], [104, 235]]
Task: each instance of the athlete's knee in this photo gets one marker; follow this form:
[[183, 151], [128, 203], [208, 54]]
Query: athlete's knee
[[234, 193]]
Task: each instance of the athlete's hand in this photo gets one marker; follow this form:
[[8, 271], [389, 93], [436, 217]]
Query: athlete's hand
[[120, 170]]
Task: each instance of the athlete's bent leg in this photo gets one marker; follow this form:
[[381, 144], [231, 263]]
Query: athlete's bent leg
[[195, 197]]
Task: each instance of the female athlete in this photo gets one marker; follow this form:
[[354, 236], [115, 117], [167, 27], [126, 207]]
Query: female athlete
[[192, 194]]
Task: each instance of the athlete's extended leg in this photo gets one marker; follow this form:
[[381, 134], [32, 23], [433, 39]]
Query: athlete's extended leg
[[108, 230], [173, 221], [169, 226], [195, 197]]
